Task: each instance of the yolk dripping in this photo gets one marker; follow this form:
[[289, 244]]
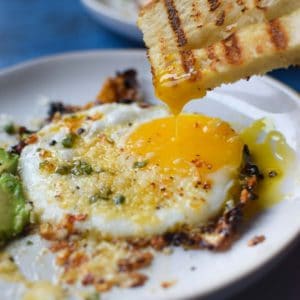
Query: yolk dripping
[[175, 85], [176, 96], [206, 143]]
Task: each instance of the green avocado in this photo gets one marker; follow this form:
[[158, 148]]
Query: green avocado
[[8, 162], [14, 213]]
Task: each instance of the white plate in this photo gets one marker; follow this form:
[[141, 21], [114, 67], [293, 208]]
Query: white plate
[[118, 18], [76, 78]]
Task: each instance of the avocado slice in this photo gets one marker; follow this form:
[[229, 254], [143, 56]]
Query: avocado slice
[[14, 213], [8, 162]]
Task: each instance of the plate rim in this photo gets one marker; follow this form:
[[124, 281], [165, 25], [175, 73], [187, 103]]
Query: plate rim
[[238, 282], [101, 8]]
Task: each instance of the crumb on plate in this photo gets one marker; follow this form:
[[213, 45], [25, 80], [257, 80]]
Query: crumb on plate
[[256, 240]]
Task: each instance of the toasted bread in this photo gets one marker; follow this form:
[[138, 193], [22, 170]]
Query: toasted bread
[[192, 24], [195, 46]]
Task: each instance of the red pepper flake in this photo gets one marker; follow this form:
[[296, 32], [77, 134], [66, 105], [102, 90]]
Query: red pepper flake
[[88, 279], [206, 186], [77, 218], [57, 246]]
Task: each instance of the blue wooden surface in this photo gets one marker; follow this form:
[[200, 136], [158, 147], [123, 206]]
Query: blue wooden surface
[[33, 28]]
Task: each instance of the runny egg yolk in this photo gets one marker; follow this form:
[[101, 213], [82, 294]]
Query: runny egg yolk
[[179, 143]]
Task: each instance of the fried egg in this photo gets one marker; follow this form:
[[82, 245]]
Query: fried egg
[[132, 171]]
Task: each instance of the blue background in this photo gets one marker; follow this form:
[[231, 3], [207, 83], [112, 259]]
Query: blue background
[[33, 28]]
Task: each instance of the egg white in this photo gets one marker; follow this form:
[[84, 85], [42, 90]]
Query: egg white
[[48, 192]]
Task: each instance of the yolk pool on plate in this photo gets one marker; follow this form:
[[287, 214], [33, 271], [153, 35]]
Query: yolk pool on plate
[[177, 143], [270, 151]]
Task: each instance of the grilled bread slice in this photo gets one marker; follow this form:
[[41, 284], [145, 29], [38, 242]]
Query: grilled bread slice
[[191, 24], [186, 70]]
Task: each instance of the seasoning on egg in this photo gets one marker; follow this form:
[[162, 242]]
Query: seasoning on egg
[[103, 194], [109, 140], [273, 174], [69, 140], [80, 131], [119, 199], [140, 164], [81, 168], [93, 296], [63, 170], [53, 143]]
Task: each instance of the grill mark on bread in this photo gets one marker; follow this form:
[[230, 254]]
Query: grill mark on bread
[[259, 5], [242, 4], [187, 56], [220, 18], [278, 35], [233, 52], [213, 4], [196, 14], [211, 52], [175, 22], [188, 63]]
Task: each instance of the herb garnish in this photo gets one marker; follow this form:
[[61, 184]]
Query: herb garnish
[[103, 194], [69, 140], [63, 170], [140, 164], [81, 168], [119, 199], [9, 128]]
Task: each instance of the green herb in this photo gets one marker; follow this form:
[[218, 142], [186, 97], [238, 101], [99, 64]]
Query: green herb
[[100, 170], [77, 168], [93, 296], [97, 197], [119, 199], [43, 164], [8, 162], [110, 140], [9, 128], [63, 170], [103, 194], [69, 140], [81, 168], [140, 164], [29, 243]]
